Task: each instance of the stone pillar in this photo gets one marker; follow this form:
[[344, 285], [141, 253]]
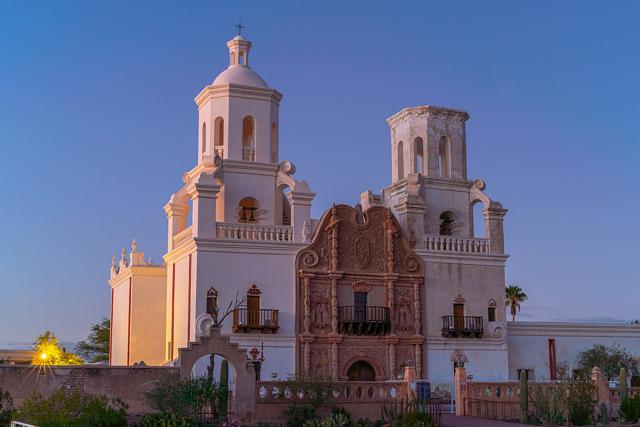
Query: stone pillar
[[493, 219], [306, 322], [334, 302], [410, 377], [603, 392], [203, 196], [460, 389], [392, 361], [334, 361], [300, 202], [176, 211]]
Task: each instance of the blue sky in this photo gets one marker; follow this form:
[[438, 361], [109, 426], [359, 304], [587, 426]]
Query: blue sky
[[97, 124]]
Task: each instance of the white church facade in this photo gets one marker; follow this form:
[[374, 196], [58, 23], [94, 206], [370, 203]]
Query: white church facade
[[356, 294]]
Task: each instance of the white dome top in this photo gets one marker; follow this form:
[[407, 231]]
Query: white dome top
[[240, 75]]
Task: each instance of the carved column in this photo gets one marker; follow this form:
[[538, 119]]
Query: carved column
[[307, 305], [334, 304], [417, 307], [418, 356], [307, 362], [334, 361], [392, 361]]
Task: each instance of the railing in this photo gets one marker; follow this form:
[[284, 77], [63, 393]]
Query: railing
[[182, 237], [269, 233], [493, 409], [454, 244], [246, 320], [249, 154], [462, 326], [369, 320], [343, 391]]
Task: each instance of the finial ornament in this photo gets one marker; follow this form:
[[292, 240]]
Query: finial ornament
[[134, 246], [124, 253], [113, 261], [239, 27]]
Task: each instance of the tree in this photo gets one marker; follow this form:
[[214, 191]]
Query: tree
[[48, 352], [609, 359], [514, 297], [96, 347]]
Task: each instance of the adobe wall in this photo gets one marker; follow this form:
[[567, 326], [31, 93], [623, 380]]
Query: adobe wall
[[127, 383]]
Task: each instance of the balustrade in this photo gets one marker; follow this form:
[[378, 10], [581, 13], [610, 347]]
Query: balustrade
[[250, 320], [182, 237], [462, 326], [454, 244], [270, 233]]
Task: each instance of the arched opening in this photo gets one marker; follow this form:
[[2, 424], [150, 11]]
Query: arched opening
[[220, 371], [204, 137], [241, 58], [447, 223], [274, 143], [479, 229], [491, 311], [361, 371], [400, 157], [419, 160], [248, 139], [233, 58], [444, 153], [218, 137], [248, 213]]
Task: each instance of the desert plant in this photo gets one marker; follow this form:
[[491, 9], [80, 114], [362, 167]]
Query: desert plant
[[630, 409], [604, 415], [163, 420], [74, 409], [581, 402], [623, 382], [6, 408], [406, 414], [316, 392], [550, 405], [514, 296], [609, 359], [524, 395], [224, 387], [182, 397]]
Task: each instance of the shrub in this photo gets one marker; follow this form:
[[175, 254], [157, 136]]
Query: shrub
[[163, 420], [549, 405], [317, 391], [581, 402], [73, 410], [630, 409], [297, 414], [406, 414], [171, 395], [6, 408]]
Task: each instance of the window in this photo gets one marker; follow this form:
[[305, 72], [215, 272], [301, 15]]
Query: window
[[447, 224], [204, 137], [248, 139], [233, 58], [248, 210], [400, 158], [253, 305], [444, 150], [491, 314], [419, 160], [218, 137], [528, 371], [360, 305], [458, 316]]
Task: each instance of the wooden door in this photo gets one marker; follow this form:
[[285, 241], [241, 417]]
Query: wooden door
[[458, 316], [253, 310]]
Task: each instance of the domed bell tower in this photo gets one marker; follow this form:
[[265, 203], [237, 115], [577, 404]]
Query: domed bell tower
[[238, 113]]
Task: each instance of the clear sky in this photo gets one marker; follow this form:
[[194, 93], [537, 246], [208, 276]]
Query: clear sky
[[97, 124]]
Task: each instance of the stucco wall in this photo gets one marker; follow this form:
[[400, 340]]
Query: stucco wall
[[126, 383], [529, 343]]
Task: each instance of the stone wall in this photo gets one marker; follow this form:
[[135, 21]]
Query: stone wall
[[127, 383]]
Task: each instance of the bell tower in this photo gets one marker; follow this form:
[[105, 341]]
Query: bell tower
[[238, 113]]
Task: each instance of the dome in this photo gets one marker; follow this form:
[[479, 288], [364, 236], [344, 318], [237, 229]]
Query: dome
[[240, 75]]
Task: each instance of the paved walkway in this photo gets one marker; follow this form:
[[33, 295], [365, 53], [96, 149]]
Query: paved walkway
[[453, 421]]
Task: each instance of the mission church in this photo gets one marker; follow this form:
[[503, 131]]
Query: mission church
[[397, 280]]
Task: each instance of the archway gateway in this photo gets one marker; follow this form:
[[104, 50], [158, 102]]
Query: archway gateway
[[361, 371]]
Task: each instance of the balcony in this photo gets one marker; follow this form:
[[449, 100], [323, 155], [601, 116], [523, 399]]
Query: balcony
[[453, 244], [259, 320], [462, 327], [369, 320], [265, 233]]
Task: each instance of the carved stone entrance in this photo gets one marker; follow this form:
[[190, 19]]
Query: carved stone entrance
[[359, 290], [361, 371]]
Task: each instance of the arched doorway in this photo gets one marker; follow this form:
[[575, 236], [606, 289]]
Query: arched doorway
[[361, 371]]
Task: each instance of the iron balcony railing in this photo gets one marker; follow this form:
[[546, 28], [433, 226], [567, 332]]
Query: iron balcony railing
[[462, 326], [253, 320], [369, 320]]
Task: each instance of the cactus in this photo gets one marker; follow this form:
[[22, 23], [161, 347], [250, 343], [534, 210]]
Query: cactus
[[524, 395], [224, 387], [623, 383], [604, 416]]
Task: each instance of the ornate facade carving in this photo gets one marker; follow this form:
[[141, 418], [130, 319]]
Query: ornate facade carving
[[354, 251]]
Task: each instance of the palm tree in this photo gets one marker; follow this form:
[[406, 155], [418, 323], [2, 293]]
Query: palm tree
[[514, 296]]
